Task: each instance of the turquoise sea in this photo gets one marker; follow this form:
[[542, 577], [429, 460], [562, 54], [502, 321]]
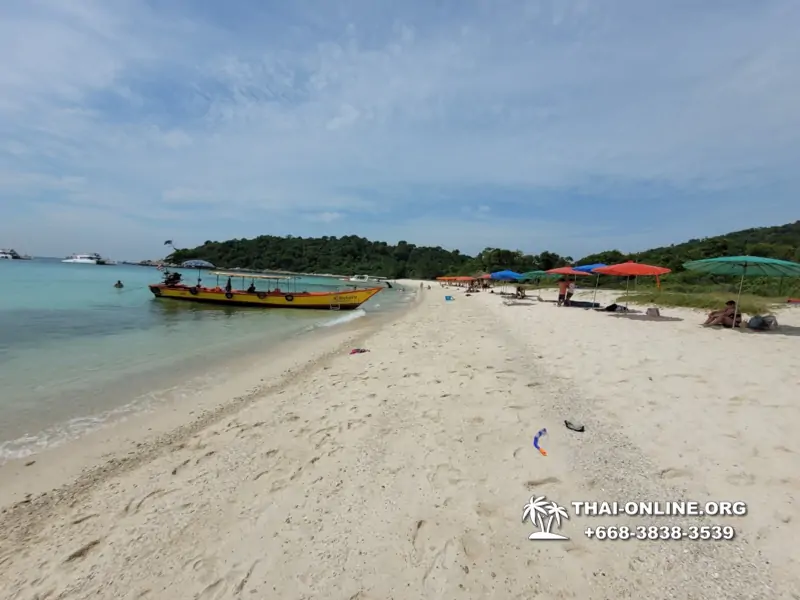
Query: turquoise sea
[[76, 352]]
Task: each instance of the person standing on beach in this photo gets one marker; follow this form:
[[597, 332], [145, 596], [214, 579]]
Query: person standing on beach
[[563, 286], [570, 293]]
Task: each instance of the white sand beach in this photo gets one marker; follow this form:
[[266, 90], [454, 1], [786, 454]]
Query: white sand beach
[[402, 472]]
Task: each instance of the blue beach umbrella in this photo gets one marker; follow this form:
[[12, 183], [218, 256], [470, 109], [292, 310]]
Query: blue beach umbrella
[[590, 269], [506, 276]]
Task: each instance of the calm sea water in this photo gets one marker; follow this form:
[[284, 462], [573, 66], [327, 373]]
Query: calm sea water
[[76, 352]]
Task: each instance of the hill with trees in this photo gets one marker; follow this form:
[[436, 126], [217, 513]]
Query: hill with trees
[[782, 241], [351, 254]]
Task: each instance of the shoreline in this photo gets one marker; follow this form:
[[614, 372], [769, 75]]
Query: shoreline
[[149, 379], [403, 472], [32, 475]]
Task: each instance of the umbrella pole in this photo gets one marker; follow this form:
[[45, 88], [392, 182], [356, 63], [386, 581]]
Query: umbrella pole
[[596, 283], [738, 298], [627, 286]]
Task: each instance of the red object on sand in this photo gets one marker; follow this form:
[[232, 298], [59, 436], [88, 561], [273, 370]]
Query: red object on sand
[[793, 301], [630, 268]]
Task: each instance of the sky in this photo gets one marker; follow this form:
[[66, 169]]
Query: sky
[[565, 125]]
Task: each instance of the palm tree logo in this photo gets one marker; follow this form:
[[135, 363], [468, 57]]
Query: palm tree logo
[[536, 510]]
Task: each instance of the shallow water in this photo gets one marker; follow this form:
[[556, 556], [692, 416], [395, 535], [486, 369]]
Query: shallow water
[[75, 351]]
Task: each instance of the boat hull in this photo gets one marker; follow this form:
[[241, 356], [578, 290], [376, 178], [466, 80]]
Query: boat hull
[[348, 300]]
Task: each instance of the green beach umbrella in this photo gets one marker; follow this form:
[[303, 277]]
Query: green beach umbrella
[[537, 275], [532, 275], [744, 266]]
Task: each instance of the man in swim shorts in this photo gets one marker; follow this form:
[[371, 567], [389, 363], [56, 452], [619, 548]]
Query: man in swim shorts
[[563, 285], [570, 293]]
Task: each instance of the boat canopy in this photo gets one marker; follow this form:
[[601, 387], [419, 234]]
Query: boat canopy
[[252, 276]]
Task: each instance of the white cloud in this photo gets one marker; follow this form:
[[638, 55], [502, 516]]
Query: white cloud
[[325, 217], [319, 109]]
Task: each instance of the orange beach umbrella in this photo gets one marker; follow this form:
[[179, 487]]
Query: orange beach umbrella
[[633, 269]]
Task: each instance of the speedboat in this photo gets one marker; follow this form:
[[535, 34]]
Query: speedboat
[[362, 278], [82, 259], [288, 297], [88, 259]]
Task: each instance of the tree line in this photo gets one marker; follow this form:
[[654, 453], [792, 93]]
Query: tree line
[[349, 255]]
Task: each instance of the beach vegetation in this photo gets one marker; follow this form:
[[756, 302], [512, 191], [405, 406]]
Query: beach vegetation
[[748, 304], [349, 255]]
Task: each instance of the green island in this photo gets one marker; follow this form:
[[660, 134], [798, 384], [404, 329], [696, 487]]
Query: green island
[[349, 255]]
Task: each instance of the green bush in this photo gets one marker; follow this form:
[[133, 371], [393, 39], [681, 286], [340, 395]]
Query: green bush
[[748, 304]]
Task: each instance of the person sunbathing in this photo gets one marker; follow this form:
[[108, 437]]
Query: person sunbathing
[[728, 316]]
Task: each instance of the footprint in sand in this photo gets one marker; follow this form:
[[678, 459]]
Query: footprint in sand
[[81, 519], [83, 551], [442, 473], [212, 591], [674, 473], [472, 546], [741, 479], [536, 484], [443, 574], [135, 504], [205, 456], [421, 535]]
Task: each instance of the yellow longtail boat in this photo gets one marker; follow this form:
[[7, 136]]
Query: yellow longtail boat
[[172, 289]]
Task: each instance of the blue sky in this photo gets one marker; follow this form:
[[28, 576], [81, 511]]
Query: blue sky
[[572, 126]]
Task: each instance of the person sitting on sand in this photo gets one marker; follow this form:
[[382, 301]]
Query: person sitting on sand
[[520, 292], [563, 286], [725, 316]]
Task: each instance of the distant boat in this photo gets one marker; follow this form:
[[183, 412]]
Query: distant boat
[[88, 259], [10, 253], [363, 278]]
